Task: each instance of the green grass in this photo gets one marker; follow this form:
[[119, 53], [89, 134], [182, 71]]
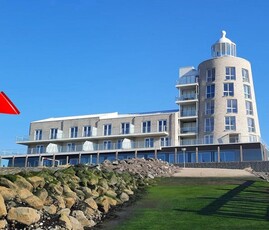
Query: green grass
[[201, 203]]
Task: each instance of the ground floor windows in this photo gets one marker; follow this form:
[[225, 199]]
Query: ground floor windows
[[40, 149], [107, 145], [149, 143], [71, 147]]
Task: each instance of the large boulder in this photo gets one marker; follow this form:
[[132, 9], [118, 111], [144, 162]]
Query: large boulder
[[52, 209], [66, 221], [7, 183], [36, 181], [103, 204], [3, 224], [76, 225], [42, 194], [91, 203], [7, 193], [32, 200], [3, 209], [124, 197], [22, 183], [79, 215], [23, 215]]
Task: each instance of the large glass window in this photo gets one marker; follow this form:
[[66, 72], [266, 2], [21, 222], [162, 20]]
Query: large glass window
[[247, 91], [119, 144], [228, 89], [164, 141], [245, 75], [209, 107], [149, 142], [230, 73], [251, 125], [231, 106], [71, 147], [38, 134], [107, 145], [230, 123], [87, 131], [162, 125], [40, 149], [210, 91], [146, 126], [249, 108], [73, 132], [208, 139], [210, 75], [125, 128], [53, 133], [107, 129], [209, 124]]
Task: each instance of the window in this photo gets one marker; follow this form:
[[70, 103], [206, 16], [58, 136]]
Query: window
[[245, 75], [71, 147], [251, 125], [164, 141], [38, 134], [247, 91], [210, 91], [230, 123], [53, 133], [40, 149], [233, 138], [162, 125], [146, 127], [209, 107], [107, 129], [231, 106], [230, 73], [87, 131], [209, 124], [149, 143], [125, 128], [210, 75], [73, 132], [107, 145], [208, 139], [119, 144], [249, 108], [228, 89]]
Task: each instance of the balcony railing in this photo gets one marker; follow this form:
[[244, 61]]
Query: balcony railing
[[187, 97], [187, 80], [188, 113], [188, 130]]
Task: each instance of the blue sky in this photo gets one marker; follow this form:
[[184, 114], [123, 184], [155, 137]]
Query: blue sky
[[63, 57]]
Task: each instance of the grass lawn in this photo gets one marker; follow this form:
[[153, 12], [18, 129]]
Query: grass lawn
[[201, 203]]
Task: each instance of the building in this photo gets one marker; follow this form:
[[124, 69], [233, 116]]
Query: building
[[217, 121]]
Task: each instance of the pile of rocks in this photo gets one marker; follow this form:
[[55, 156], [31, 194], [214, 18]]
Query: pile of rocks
[[75, 197]]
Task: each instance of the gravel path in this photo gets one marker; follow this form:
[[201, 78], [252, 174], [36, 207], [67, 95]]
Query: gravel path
[[212, 172]]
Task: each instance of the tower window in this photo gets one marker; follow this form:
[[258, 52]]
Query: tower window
[[209, 124], [228, 89], [210, 91], [38, 134], [231, 106], [251, 125], [230, 123], [107, 129], [146, 127], [247, 92], [249, 108], [210, 75], [73, 132], [209, 107], [245, 75], [230, 73]]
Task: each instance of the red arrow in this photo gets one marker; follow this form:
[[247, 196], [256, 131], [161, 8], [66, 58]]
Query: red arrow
[[6, 105]]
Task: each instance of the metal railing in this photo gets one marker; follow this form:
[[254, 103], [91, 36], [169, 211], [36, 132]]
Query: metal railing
[[187, 80], [187, 97], [188, 130]]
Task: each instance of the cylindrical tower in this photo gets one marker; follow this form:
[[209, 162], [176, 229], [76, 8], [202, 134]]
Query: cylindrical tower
[[227, 105]]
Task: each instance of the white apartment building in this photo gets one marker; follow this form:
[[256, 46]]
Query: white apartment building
[[217, 121]]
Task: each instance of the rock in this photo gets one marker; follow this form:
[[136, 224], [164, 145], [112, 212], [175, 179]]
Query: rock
[[42, 194], [103, 204], [56, 188], [91, 203], [32, 200], [66, 221], [7, 183], [95, 194], [3, 209], [128, 191], [3, 224], [103, 183], [79, 215], [52, 209], [76, 225], [65, 211], [111, 193], [69, 202], [124, 197], [36, 181], [7, 193], [87, 192], [22, 183], [111, 201], [68, 192], [49, 201], [60, 201], [23, 215]]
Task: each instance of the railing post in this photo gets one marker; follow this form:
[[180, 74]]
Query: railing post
[[241, 153], [175, 156], [79, 158], [196, 154], [218, 154], [26, 160]]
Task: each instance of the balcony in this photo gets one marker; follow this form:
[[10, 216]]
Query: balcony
[[187, 81], [189, 98], [188, 113], [185, 130]]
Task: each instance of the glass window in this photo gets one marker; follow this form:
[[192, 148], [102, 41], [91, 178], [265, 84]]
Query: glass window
[[209, 124], [230, 123], [53, 133], [107, 145], [107, 129], [249, 108], [208, 139], [71, 147], [210, 75], [149, 142], [209, 107], [245, 75], [125, 128], [251, 125], [38, 134], [87, 131], [228, 89], [231, 106], [40, 149], [119, 144], [73, 132], [233, 138], [164, 141], [210, 91], [162, 125], [247, 92], [146, 126], [230, 73]]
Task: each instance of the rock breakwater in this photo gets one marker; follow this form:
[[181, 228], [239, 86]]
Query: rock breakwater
[[76, 197]]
